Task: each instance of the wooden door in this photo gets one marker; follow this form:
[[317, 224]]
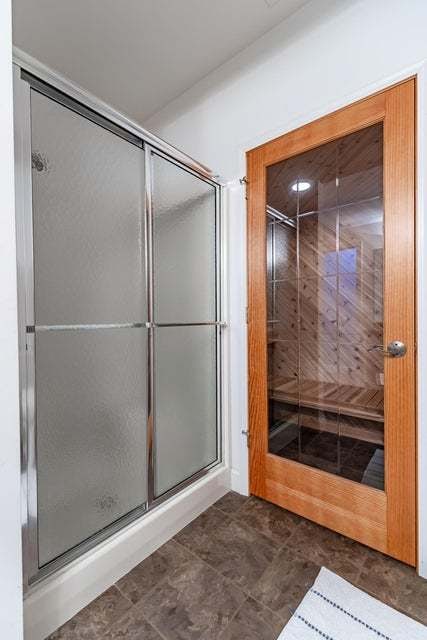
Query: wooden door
[[331, 284]]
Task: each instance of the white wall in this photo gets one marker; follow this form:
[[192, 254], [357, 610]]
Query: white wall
[[328, 54], [10, 524], [324, 54]]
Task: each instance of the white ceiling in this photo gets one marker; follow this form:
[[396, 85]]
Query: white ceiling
[[138, 55]]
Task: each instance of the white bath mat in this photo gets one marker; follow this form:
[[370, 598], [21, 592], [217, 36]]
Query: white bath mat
[[335, 610]]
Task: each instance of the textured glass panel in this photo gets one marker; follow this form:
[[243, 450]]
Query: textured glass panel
[[325, 307], [88, 235], [185, 403], [184, 245], [91, 432]]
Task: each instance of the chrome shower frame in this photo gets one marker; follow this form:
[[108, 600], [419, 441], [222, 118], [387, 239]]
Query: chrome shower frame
[[30, 75]]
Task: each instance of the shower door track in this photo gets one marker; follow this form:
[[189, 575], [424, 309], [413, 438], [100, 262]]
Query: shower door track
[[31, 74]]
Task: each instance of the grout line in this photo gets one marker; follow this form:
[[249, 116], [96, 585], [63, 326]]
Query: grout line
[[249, 498], [233, 617], [280, 548], [138, 605], [121, 592], [244, 590], [195, 555], [199, 559], [150, 591], [156, 629], [135, 606], [259, 533], [405, 612]]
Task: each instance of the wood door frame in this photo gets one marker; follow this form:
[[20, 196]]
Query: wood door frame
[[383, 520]]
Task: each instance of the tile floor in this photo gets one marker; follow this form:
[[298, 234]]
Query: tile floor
[[236, 573]]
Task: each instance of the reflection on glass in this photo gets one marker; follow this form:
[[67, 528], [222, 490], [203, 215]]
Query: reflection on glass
[[325, 307]]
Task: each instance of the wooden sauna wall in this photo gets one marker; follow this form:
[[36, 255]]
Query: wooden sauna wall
[[325, 282]]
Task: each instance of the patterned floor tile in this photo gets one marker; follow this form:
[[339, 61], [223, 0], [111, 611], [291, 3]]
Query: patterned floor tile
[[231, 502], [238, 552], [285, 582], [92, 622], [329, 549], [152, 570], [253, 622], [395, 584], [272, 521], [192, 603], [133, 626], [237, 572]]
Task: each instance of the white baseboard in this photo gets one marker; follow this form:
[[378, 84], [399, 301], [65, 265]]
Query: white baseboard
[[422, 569], [54, 601], [239, 483]]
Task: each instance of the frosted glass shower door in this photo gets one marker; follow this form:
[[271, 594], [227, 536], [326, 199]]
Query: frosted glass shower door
[[186, 331], [90, 338]]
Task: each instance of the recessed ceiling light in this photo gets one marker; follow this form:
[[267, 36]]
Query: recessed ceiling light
[[301, 185]]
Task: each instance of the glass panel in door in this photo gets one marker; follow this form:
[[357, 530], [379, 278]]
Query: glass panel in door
[[184, 245], [91, 452], [89, 263], [185, 313], [185, 402], [90, 347], [324, 305]]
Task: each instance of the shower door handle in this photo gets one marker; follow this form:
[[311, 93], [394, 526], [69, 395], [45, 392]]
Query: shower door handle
[[394, 349]]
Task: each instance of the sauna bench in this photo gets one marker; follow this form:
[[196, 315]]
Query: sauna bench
[[362, 408]]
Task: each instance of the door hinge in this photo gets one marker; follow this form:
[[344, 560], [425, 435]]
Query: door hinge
[[244, 181], [245, 432], [247, 315]]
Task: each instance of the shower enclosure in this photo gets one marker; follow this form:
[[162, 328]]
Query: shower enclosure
[[120, 321]]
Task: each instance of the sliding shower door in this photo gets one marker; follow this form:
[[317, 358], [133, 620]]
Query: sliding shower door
[[120, 324], [185, 328], [90, 337]]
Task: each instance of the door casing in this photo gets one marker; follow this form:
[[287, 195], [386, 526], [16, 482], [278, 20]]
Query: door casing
[[384, 520]]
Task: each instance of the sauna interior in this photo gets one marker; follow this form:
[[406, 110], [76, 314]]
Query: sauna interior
[[324, 223]]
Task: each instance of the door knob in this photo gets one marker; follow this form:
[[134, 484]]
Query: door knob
[[394, 349]]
